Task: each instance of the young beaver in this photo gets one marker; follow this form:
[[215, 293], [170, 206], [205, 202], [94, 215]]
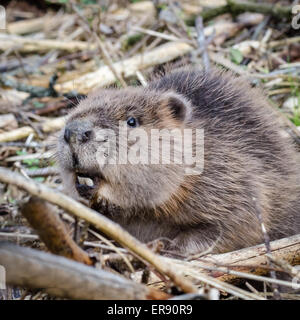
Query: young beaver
[[250, 169]]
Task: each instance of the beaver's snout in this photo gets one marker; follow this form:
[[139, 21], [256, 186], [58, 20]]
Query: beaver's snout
[[78, 132], [76, 135]]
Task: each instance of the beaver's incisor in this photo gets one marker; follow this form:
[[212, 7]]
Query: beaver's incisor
[[249, 167]]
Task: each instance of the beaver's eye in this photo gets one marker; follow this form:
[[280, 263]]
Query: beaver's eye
[[132, 122]]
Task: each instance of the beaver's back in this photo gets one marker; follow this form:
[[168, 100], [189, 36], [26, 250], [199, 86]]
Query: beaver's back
[[237, 117]]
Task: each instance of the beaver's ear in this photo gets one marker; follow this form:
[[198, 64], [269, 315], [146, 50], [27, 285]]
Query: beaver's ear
[[177, 105]]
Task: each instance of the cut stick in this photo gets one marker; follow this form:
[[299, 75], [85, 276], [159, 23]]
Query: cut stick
[[28, 25], [16, 134], [52, 230], [251, 261], [231, 267], [25, 44], [23, 132], [43, 24], [65, 278], [104, 224], [104, 76], [276, 10], [164, 53], [284, 42], [287, 249], [42, 172]]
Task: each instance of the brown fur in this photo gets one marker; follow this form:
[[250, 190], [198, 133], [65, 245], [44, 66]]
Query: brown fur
[[248, 165]]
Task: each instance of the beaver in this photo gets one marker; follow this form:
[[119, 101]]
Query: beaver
[[250, 169]]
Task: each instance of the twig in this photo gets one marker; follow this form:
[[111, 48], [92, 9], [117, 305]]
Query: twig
[[51, 107], [220, 59], [33, 90], [128, 67], [100, 45], [28, 25], [141, 78], [202, 43], [26, 44], [285, 266], [52, 230], [243, 294], [23, 132], [114, 248], [44, 155], [65, 278], [104, 224], [208, 14], [268, 248], [243, 275], [278, 11], [179, 19], [16, 236], [159, 34], [231, 266], [284, 42], [42, 172]]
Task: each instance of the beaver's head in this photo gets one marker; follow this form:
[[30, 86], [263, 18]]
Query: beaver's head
[[107, 148]]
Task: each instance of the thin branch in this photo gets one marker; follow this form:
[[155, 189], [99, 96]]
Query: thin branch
[[104, 224], [249, 263], [275, 287], [100, 45], [128, 67], [202, 42], [65, 278], [24, 132], [278, 11], [52, 230]]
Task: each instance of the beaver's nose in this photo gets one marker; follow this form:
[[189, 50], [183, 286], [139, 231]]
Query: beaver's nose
[[78, 132]]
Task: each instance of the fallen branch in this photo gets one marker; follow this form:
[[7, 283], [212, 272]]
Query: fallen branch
[[211, 13], [223, 286], [287, 249], [232, 267], [104, 224], [35, 91], [283, 42], [26, 44], [24, 132], [240, 6], [65, 278], [162, 54], [246, 262], [29, 25], [278, 11], [52, 230], [104, 76]]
